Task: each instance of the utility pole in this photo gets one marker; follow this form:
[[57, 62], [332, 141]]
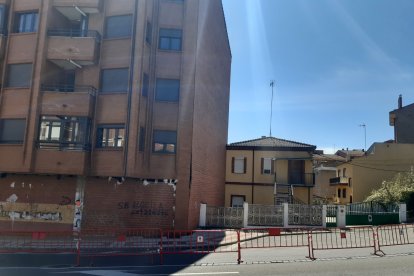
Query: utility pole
[[365, 135], [272, 84]]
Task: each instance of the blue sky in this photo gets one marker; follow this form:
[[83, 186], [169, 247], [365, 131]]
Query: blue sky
[[336, 65]]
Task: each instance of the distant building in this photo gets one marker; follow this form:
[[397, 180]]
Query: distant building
[[402, 119], [269, 171], [113, 113], [356, 179], [325, 170]]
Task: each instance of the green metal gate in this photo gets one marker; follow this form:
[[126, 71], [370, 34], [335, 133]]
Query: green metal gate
[[372, 213]]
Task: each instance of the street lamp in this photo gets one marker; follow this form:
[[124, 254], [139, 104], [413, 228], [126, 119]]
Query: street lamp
[[365, 135]]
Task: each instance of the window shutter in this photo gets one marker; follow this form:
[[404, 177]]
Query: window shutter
[[232, 165], [262, 164], [245, 165]]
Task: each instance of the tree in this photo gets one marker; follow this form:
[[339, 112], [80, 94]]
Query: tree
[[399, 189]]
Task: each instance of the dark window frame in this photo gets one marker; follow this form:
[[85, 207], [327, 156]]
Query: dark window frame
[[159, 91], [234, 196], [77, 127], [103, 142], [20, 139], [21, 22], [103, 88], [110, 35], [167, 42], [157, 142], [17, 82], [148, 33], [141, 139]]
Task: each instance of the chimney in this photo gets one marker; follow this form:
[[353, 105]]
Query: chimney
[[400, 102]]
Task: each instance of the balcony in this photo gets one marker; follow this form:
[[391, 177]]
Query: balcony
[[72, 49], [302, 179], [68, 100], [74, 9], [339, 181]]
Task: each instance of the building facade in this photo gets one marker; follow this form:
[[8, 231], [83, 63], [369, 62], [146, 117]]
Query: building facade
[[402, 119], [269, 171], [361, 176], [113, 113]]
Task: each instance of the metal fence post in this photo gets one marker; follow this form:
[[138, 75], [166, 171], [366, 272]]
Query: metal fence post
[[245, 214], [238, 248], [285, 215], [203, 215], [403, 212], [324, 214]]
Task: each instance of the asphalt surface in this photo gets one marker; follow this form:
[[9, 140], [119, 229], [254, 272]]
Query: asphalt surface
[[398, 260]]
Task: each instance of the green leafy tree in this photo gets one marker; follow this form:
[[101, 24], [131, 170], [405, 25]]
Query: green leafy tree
[[399, 189]]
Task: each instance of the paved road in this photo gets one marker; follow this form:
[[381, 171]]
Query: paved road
[[280, 261], [400, 264]]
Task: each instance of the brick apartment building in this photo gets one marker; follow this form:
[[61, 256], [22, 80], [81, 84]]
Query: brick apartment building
[[113, 113]]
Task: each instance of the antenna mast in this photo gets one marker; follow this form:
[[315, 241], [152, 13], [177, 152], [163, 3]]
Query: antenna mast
[[272, 84]]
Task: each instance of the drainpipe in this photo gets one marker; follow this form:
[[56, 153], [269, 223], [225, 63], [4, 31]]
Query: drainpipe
[[131, 82]]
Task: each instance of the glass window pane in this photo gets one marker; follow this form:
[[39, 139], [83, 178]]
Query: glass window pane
[[12, 130], [165, 141], [114, 80], [19, 75], [176, 44], [158, 147], [120, 137], [164, 43], [167, 90], [118, 26], [170, 39], [239, 165]]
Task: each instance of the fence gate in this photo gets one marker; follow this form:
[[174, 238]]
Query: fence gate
[[305, 215], [331, 212], [224, 217], [372, 213], [265, 215]]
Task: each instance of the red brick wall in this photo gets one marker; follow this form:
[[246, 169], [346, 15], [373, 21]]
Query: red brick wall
[[211, 110], [129, 205], [36, 190]]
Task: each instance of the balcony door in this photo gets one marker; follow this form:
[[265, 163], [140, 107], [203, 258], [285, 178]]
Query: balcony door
[[296, 171]]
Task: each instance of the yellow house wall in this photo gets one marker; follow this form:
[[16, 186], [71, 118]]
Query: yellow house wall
[[234, 177], [263, 195], [387, 159], [303, 194]]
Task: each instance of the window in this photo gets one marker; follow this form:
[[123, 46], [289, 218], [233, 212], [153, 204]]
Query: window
[[239, 165], [141, 145], [148, 33], [267, 166], [3, 20], [110, 136], [167, 90], [344, 172], [26, 22], [237, 200], [339, 193], [64, 132], [165, 141], [118, 26], [114, 80], [344, 193], [19, 75], [145, 85], [339, 173], [170, 39], [12, 131]]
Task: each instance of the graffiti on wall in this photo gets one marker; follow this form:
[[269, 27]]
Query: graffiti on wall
[[143, 208], [34, 212]]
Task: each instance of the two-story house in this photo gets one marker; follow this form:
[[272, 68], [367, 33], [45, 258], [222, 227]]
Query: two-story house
[[268, 171]]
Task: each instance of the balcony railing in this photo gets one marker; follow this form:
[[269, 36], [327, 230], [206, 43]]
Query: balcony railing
[[74, 33], [63, 145], [69, 88], [338, 181], [302, 179]]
